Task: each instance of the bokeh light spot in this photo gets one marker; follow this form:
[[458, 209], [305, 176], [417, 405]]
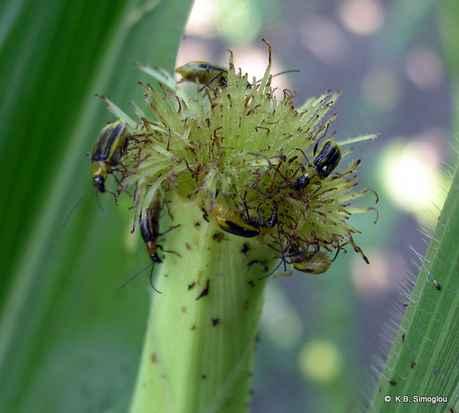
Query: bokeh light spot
[[411, 178], [362, 17], [384, 273], [254, 61], [424, 68], [324, 39], [320, 360]]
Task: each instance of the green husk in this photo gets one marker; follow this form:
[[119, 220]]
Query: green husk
[[199, 345]]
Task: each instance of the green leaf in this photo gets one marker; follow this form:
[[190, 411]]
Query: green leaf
[[424, 357], [425, 352], [70, 338]]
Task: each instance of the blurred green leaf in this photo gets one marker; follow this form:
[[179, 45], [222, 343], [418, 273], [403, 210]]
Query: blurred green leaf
[[70, 339], [449, 29]]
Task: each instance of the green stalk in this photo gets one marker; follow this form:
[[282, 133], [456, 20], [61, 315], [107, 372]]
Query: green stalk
[[200, 340]]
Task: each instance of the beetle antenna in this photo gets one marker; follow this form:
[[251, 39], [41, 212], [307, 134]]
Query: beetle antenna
[[152, 281], [132, 277], [304, 155], [70, 212], [284, 72]]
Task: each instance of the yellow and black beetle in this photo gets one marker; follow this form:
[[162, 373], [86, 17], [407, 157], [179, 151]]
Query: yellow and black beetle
[[316, 263], [230, 221], [111, 145], [149, 229], [203, 73], [237, 223], [305, 260]]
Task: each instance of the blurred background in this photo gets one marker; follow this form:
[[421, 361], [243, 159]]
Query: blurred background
[[322, 338], [64, 254]]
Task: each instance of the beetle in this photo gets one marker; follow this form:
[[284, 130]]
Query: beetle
[[149, 229], [327, 160], [259, 222], [240, 223], [302, 258], [305, 260], [229, 220], [315, 263], [110, 147], [323, 165], [203, 72]]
